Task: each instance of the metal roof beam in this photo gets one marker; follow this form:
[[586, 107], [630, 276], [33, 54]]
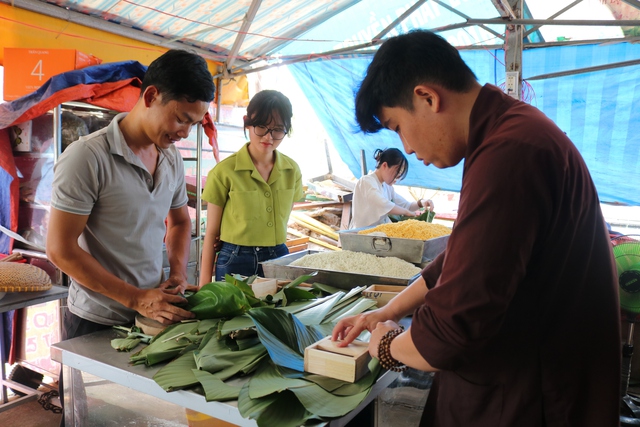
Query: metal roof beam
[[504, 8], [244, 28], [558, 13], [579, 22], [586, 70], [242, 70], [513, 53], [454, 10], [399, 19], [109, 27], [297, 32]]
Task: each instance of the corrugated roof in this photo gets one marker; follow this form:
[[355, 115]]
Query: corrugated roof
[[244, 34]]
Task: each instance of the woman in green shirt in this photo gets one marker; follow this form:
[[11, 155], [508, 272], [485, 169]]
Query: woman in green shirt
[[250, 194]]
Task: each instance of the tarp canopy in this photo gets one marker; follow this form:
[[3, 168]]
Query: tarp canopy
[[587, 87], [598, 110]]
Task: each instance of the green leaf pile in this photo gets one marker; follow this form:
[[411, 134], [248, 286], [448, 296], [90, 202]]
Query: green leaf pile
[[238, 334]]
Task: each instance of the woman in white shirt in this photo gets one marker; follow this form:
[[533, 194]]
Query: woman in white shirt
[[374, 197]]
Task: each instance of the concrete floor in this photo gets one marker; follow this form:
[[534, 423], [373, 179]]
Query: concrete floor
[[30, 414]]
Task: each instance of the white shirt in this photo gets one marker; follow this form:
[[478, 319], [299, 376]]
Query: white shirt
[[372, 201]]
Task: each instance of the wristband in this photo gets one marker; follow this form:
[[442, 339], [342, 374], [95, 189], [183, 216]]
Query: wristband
[[384, 352], [420, 205]]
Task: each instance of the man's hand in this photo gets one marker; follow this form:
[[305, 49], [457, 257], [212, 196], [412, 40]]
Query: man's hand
[[160, 304], [349, 328], [381, 329], [177, 286]]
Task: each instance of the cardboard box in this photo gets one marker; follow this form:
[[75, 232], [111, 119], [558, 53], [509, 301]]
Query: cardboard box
[[348, 363], [25, 70], [382, 294]]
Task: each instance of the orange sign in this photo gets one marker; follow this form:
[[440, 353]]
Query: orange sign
[[25, 70]]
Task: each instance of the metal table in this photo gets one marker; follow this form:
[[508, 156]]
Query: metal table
[[14, 301], [94, 355]]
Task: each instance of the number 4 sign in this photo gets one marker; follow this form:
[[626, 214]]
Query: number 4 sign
[[25, 70]]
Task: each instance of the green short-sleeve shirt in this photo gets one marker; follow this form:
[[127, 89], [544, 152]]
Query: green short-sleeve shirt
[[255, 212]]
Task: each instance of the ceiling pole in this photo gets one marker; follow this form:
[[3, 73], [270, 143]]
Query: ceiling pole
[[218, 81], [399, 19], [513, 51], [457, 12], [244, 28], [558, 13]]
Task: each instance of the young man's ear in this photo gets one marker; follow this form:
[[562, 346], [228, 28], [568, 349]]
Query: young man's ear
[[429, 95], [150, 94]]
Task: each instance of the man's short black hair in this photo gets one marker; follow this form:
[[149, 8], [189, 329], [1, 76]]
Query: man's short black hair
[[179, 74], [401, 64]]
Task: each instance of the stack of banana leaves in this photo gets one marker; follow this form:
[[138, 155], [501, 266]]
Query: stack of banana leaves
[[236, 334]]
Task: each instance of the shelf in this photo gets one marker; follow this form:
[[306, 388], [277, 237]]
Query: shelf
[[33, 155]]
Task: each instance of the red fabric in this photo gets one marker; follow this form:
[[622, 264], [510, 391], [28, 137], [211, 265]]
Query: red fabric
[[119, 96], [212, 133], [7, 163]]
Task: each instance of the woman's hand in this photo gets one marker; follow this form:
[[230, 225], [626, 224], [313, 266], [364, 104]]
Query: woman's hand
[[427, 204]]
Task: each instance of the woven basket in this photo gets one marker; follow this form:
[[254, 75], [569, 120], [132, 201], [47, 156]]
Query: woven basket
[[16, 277]]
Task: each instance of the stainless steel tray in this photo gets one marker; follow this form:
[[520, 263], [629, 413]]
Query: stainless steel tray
[[411, 250], [279, 268]]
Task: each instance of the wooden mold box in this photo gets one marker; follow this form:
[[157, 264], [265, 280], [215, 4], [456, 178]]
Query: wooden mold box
[[382, 293], [343, 363]]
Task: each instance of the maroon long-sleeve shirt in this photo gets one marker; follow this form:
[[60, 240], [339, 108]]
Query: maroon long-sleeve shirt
[[522, 314]]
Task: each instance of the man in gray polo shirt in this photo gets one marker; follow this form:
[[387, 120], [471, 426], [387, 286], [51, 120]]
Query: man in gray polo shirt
[[112, 192]]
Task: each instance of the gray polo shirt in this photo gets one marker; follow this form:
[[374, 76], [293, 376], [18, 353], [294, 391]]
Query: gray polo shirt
[[100, 176]]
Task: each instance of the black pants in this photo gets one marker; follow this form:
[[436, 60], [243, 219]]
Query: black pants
[[72, 327]]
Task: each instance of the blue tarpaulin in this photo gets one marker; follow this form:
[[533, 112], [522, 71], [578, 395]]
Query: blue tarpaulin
[[597, 110]]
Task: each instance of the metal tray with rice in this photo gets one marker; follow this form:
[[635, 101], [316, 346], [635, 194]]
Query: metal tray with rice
[[279, 268], [411, 250]]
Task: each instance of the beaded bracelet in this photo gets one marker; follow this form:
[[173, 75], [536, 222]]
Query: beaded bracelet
[[384, 352]]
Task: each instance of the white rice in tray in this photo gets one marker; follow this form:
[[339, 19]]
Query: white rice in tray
[[358, 262]]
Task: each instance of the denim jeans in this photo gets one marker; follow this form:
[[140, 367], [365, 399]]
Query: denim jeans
[[244, 260]]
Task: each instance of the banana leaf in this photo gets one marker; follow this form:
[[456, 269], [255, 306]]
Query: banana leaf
[[326, 289], [426, 216], [298, 306], [290, 292], [301, 279], [238, 344], [253, 408], [243, 285], [280, 409], [364, 383], [284, 336], [214, 388], [320, 396], [315, 315], [178, 374], [216, 358], [125, 344], [235, 324], [268, 380], [168, 344], [356, 307], [217, 300], [320, 402]]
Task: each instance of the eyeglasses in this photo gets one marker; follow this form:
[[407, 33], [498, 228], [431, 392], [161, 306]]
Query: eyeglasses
[[276, 134]]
